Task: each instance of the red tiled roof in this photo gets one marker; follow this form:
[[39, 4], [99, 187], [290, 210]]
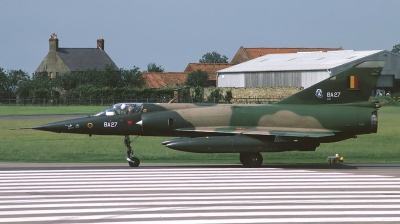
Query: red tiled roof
[[163, 79], [210, 68], [245, 54]]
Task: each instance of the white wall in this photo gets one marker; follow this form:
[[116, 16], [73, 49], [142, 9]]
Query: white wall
[[230, 80]]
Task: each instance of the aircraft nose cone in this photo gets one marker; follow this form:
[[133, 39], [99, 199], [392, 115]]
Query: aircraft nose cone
[[67, 126], [54, 127], [41, 127]]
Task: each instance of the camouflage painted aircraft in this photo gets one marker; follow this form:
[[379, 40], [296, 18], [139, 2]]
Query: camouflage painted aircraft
[[332, 110]]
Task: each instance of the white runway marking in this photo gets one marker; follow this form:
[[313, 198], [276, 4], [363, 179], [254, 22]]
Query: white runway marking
[[196, 195]]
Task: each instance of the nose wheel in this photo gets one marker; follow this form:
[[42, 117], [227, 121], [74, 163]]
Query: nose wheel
[[132, 161]]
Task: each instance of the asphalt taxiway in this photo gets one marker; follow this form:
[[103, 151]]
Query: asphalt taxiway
[[190, 193]]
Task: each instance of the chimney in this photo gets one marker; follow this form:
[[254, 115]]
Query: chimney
[[53, 42], [100, 44]]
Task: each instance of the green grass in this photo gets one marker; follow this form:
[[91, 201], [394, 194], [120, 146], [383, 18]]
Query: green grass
[[38, 146], [50, 110]]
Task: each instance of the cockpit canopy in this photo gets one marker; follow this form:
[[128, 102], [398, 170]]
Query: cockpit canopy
[[121, 108]]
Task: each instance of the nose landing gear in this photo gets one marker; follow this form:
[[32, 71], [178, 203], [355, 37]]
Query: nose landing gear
[[132, 161]]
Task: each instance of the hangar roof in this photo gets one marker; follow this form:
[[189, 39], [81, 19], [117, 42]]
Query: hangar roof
[[246, 54], [300, 61]]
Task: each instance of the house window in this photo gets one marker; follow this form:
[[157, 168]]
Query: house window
[[51, 75]]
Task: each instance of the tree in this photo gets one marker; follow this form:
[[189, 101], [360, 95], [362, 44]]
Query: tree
[[10, 82], [40, 86], [198, 94], [68, 81], [215, 96], [152, 67], [228, 96], [213, 57], [197, 78], [4, 91], [132, 78], [15, 78], [396, 49], [24, 88], [108, 77]]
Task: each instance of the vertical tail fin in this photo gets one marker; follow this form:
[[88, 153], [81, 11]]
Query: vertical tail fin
[[352, 85]]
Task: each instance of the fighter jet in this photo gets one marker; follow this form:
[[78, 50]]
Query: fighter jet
[[332, 110]]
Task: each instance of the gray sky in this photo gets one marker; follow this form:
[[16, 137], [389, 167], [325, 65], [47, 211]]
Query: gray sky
[[175, 33]]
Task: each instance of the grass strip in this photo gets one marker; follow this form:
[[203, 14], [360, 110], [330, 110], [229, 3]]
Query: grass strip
[[38, 146]]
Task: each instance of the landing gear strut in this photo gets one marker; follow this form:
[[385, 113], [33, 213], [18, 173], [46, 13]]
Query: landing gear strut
[[251, 159], [133, 161]]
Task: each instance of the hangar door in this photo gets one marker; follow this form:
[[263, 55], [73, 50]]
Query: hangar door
[[270, 79]]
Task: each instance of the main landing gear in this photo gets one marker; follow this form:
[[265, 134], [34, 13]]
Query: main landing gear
[[251, 159], [133, 161]]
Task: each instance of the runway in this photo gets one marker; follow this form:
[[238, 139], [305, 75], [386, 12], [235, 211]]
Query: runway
[[89, 193]]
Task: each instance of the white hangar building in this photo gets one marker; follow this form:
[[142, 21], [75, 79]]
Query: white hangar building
[[306, 68]]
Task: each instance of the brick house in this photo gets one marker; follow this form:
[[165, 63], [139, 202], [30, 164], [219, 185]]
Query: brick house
[[163, 79]]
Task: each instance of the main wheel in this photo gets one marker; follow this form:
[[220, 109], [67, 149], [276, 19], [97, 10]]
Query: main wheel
[[243, 157], [135, 162], [254, 159]]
